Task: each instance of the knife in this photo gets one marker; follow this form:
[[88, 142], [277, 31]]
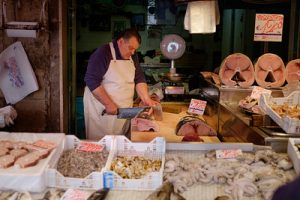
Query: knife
[[128, 113]]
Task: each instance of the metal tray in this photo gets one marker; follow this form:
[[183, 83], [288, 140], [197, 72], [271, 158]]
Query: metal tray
[[278, 132]]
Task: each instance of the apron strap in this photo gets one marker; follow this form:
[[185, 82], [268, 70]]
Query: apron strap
[[112, 50]]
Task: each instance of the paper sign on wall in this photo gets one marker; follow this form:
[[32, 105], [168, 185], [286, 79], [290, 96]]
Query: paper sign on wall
[[17, 79], [268, 27], [197, 107], [257, 91]]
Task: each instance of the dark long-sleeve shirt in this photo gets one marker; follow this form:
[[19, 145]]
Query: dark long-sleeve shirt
[[99, 62], [290, 191]]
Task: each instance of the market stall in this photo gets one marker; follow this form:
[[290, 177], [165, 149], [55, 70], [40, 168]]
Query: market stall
[[231, 170]]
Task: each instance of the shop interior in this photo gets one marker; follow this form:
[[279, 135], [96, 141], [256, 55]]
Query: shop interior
[[98, 22], [227, 127]]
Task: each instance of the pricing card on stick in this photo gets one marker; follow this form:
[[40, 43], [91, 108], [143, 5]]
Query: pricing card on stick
[[74, 194], [257, 91], [90, 147], [197, 107]]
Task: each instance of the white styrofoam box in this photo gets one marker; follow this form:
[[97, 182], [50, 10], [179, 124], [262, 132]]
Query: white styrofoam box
[[124, 147], [93, 181], [294, 153], [31, 179], [289, 125]]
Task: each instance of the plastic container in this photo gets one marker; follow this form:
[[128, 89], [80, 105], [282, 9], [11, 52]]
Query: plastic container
[[294, 153], [30, 179], [93, 181], [289, 125], [154, 149]]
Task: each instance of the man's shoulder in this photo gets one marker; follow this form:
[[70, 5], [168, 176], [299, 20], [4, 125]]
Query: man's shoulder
[[102, 52], [103, 49]]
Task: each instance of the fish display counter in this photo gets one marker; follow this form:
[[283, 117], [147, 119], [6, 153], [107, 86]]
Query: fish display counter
[[207, 171], [237, 122], [169, 126]]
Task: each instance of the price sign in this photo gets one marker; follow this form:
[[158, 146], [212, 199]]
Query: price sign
[[268, 27], [197, 107], [90, 147], [72, 194], [257, 91], [228, 153]]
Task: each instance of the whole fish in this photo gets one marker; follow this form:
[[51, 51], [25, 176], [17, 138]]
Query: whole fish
[[54, 194], [99, 195], [165, 192]]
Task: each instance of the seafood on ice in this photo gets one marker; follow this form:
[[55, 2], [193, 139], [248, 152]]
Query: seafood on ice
[[21, 154], [135, 167], [79, 164], [251, 174]]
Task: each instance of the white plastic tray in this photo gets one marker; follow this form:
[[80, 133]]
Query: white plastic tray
[[93, 181], [154, 149], [31, 179], [289, 125], [294, 153]]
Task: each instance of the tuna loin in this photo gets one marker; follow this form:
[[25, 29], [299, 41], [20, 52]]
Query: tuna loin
[[190, 125], [145, 124], [292, 71], [269, 71], [237, 69]]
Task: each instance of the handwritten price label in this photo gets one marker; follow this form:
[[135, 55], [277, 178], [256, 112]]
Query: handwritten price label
[[228, 153], [268, 27], [197, 107], [72, 194], [90, 147], [257, 91]]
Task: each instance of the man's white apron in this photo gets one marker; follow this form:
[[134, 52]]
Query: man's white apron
[[119, 84]]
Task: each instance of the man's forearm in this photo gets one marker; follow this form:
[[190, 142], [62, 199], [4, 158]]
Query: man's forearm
[[101, 95], [142, 90]]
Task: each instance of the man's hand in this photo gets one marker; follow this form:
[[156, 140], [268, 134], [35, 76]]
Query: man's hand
[[149, 102], [9, 114], [111, 109], [142, 90]]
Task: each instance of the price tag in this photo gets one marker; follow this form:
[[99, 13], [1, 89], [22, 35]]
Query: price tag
[[257, 91], [197, 106], [90, 147], [268, 27], [72, 194], [228, 153]]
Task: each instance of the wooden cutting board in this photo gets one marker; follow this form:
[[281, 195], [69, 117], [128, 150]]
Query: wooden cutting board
[[167, 129]]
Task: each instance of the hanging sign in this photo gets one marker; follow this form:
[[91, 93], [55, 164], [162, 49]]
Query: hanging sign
[[268, 27], [197, 107]]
